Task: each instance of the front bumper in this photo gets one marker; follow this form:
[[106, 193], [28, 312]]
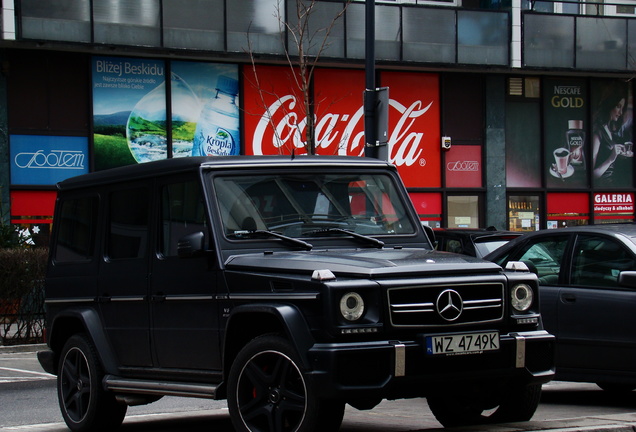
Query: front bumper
[[47, 361], [399, 369]]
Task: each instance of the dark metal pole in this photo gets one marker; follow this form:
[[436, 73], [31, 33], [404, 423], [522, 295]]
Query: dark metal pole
[[371, 149]]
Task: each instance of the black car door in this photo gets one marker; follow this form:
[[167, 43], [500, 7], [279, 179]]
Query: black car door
[[545, 256], [596, 317], [183, 290], [123, 280]]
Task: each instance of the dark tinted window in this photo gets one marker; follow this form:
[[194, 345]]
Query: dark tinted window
[[128, 223], [598, 261], [182, 212], [545, 256], [76, 230]]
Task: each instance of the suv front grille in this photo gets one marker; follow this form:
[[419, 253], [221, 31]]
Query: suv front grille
[[428, 306]]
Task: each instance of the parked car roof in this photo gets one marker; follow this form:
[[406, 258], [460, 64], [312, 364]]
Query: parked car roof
[[151, 169]]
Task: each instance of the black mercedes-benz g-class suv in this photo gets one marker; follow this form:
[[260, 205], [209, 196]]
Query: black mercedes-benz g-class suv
[[288, 286]]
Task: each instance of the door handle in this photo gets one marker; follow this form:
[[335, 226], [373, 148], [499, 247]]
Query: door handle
[[568, 298], [158, 297]]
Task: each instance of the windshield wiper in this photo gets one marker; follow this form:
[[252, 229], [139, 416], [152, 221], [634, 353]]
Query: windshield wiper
[[287, 239], [369, 240]]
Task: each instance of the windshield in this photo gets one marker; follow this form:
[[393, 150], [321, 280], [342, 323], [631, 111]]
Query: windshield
[[311, 205]]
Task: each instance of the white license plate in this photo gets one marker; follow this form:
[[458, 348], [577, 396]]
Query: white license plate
[[470, 343]]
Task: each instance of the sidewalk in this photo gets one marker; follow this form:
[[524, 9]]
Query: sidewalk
[[22, 348], [405, 416], [609, 423]]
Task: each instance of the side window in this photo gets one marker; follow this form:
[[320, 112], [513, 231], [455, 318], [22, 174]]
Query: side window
[[546, 256], [128, 223], [76, 230], [182, 212], [598, 261]]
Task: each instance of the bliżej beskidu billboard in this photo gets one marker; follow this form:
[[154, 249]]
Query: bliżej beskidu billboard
[[130, 110]]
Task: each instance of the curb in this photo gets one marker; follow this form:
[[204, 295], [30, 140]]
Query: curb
[[22, 348]]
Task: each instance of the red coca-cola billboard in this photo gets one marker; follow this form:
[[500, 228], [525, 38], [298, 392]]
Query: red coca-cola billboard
[[414, 126], [275, 122]]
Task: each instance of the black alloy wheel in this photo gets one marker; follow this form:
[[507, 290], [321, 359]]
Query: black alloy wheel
[[84, 404], [268, 391]]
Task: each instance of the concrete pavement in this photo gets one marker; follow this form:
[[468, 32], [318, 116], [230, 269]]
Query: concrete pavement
[[611, 422]]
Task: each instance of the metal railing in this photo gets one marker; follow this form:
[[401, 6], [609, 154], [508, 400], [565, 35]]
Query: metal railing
[[22, 321]]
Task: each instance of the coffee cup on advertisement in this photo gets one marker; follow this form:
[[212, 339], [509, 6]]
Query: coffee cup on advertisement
[[561, 157], [629, 147]]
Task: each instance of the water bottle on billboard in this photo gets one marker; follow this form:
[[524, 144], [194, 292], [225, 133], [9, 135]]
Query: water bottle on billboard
[[217, 132]]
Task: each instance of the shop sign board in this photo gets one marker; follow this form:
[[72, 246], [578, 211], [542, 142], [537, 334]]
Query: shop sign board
[[463, 166], [612, 203], [46, 160]]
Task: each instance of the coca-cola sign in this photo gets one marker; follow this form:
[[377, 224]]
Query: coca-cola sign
[[275, 122]]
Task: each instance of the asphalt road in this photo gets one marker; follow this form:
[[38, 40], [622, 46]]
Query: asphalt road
[[28, 402]]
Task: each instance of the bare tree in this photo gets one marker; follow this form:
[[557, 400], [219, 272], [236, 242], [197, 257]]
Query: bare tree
[[304, 43]]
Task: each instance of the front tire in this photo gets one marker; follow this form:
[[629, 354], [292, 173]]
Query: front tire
[[85, 405], [515, 403], [268, 391]]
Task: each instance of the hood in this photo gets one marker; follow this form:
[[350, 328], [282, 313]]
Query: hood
[[370, 263]]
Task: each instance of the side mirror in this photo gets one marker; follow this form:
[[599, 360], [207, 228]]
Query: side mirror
[[627, 279], [431, 235], [191, 245]]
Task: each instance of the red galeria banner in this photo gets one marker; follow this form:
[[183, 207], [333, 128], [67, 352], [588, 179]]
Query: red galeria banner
[[275, 122]]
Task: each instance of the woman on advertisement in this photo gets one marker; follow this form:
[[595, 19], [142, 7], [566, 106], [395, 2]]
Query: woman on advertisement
[[612, 133]]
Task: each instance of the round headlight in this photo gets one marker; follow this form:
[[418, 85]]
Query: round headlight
[[521, 297], [351, 306]]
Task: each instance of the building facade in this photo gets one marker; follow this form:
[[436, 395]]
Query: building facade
[[512, 114]]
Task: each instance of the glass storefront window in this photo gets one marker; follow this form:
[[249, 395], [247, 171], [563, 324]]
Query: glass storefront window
[[428, 207], [463, 211], [523, 213], [567, 209]]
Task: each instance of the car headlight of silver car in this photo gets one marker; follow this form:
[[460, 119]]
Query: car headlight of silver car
[[352, 306], [521, 297]]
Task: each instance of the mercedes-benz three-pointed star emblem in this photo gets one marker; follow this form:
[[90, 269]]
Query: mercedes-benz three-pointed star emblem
[[449, 305]]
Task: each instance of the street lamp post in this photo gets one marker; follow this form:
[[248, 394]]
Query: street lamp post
[[375, 99]]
